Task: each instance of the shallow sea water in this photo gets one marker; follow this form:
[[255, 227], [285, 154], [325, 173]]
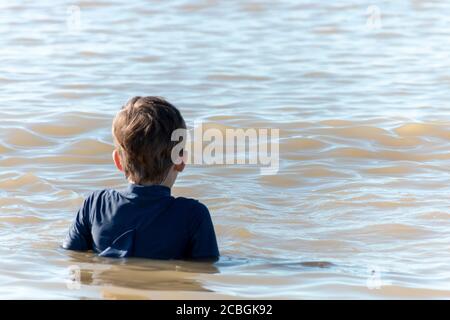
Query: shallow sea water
[[359, 207]]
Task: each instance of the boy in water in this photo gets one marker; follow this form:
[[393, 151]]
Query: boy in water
[[145, 220]]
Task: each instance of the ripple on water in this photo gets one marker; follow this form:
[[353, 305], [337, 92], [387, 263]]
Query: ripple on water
[[71, 124], [19, 220], [423, 129], [389, 231], [4, 149], [89, 147], [226, 77], [436, 215], [26, 182], [394, 170], [299, 144], [21, 137]]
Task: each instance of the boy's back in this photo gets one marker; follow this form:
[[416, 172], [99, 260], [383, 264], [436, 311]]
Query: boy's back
[[145, 220]]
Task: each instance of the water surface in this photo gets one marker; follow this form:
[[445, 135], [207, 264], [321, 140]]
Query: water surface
[[359, 207]]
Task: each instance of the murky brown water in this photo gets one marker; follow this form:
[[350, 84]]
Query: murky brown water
[[364, 127]]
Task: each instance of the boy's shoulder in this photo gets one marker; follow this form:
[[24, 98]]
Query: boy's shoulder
[[194, 211], [97, 197], [192, 204], [102, 193], [186, 200]]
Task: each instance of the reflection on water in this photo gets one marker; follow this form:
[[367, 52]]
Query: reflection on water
[[116, 276], [359, 207], [143, 275]]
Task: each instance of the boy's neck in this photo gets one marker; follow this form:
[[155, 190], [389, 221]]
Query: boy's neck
[[146, 184]]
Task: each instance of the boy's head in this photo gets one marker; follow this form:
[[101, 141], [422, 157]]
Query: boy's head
[[142, 133]]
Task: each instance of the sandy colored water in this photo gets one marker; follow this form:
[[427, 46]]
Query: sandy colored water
[[363, 113]]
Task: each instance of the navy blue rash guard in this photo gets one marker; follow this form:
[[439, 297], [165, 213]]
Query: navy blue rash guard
[[143, 221]]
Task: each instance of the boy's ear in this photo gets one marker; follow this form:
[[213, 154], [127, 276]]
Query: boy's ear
[[116, 159], [179, 167]]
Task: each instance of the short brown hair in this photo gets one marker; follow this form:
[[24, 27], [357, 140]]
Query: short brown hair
[[142, 132]]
